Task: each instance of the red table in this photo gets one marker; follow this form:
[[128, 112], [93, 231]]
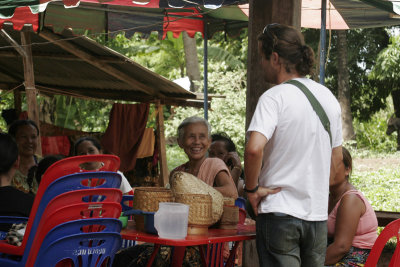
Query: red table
[[244, 232]]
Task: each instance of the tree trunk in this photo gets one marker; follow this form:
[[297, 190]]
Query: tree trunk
[[344, 88], [396, 106], [192, 62]]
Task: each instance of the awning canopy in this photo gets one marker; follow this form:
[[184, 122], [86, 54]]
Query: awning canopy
[[146, 16], [78, 66], [142, 16]]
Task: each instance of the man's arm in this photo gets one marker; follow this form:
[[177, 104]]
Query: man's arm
[[252, 165]]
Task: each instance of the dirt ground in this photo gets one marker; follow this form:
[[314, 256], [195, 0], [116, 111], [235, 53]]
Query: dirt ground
[[373, 164]]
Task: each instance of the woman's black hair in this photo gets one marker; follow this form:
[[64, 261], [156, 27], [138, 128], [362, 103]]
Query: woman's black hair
[[16, 124], [229, 145], [8, 152], [94, 141], [37, 171]]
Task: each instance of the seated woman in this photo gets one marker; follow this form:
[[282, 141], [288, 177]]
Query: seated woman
[[26, 134], [352, 222], [13, 202], [91, 146], [194, 137]]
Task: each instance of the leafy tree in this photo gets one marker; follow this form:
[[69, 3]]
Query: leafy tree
[[386, 72], [367, 97]]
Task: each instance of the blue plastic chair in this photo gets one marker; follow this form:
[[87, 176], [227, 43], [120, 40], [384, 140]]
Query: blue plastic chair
[[88, 250]]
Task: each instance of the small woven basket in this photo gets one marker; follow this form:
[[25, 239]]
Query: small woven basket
[[147, 198], [229, 218], [200, 208]]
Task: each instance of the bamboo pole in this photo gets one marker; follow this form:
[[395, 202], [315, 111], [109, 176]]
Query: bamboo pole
[[30, 89], [164, 175]]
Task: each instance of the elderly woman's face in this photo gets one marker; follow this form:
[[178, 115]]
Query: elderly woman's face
[[26, 138], [195, 141]]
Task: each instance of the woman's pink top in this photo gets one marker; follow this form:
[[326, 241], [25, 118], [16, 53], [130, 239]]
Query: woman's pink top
[[208, 170], [366, 230]]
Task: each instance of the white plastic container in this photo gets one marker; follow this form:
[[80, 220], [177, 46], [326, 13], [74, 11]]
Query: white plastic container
[[171, 220]]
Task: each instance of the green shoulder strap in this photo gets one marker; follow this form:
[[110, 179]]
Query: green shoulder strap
[[315, 104]]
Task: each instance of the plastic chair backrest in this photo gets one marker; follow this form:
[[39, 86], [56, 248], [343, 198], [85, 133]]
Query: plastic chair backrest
[[89, 250], [104, 225], [72, 165], [390, 230]]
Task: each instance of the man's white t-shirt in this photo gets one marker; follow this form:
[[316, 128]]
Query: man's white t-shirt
[[297, 156]]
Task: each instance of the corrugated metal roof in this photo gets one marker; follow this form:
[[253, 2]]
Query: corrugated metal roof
[[77, 65]]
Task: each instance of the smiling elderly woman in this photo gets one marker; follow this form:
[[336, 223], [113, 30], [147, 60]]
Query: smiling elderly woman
[[194, 137]]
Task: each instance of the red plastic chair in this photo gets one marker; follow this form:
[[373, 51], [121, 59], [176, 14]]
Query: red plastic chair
[[391, 230], [58, 169]]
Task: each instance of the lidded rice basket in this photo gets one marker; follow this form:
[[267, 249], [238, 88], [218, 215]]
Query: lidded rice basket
[[186, 183], [200, 212], [147, 199]]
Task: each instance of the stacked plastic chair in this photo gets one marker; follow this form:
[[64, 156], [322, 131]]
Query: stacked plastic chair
[[74, 218]]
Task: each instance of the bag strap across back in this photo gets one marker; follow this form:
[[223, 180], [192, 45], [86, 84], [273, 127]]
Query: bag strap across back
[[315, 104]]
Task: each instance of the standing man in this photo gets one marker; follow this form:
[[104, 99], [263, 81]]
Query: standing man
[[289, 155]]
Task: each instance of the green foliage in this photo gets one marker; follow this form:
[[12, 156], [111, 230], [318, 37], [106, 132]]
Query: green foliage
[[381, 187], [6, 102], [81, 114], [363, 46], [371, 134]]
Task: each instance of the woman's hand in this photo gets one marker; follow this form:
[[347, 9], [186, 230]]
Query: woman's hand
[[234, 158], [256, 197]]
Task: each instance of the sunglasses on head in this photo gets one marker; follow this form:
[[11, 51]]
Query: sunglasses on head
[[266, 28]]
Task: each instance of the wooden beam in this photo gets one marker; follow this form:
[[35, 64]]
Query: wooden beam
[[14, 43], [77, 51], [164, 174], [33, 109]]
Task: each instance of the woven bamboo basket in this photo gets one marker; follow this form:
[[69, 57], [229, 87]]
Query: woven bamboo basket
[[147, 199], [200, 212], [229, 218], [185, 183]]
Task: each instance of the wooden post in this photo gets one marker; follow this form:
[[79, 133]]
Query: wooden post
[[261, 13], [30, 89], [164, 174]]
